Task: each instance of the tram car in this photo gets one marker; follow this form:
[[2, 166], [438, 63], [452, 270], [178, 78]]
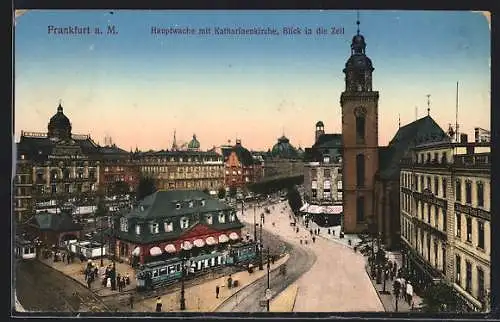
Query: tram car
[[162, 273], [242, 254], [24, 249]]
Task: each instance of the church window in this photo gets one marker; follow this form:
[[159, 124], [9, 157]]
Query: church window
[[360, 209], [360, 170], [360, 128]]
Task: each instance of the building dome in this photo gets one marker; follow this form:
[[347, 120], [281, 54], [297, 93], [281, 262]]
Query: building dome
[[194, 144], [283, 149], [359, 62], [59, 125], [320, 123]]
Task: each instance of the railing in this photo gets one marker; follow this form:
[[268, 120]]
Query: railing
[[473, 160]]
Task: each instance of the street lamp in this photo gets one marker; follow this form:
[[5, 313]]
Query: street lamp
[[183, 298], [268, 290], [113, 271], [254, 225], [260, 252]]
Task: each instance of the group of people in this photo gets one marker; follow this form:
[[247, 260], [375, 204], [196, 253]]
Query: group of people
[[92, 272]]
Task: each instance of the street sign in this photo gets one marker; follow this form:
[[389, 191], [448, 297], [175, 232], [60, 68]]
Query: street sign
[[268, 294]]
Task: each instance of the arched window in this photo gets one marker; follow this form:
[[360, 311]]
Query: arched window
[[360, 128], [360, 170], [360, 209]]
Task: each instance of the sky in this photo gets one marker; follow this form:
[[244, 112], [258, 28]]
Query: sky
[[139, 87]]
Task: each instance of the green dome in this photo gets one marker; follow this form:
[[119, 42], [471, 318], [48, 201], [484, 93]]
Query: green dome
[[283, 149], [194, 144]]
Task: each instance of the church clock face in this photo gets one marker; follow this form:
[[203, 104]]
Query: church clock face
[[360, 111]]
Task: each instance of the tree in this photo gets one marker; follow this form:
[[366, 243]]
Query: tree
[[221, 193], [146, 187], [294, 199], [440, 298]]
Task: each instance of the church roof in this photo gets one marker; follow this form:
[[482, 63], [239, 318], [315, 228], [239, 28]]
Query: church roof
[[423, 130], [283, 149], [194, 143]]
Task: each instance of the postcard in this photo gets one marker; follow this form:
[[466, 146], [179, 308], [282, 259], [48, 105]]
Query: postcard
[[251, 161]]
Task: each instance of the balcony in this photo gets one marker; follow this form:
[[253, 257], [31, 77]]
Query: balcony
[[473, 160]]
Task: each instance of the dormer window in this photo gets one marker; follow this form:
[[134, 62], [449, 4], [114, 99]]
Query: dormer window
[[191, 204], [141, 208], [222, 218], [203, 203], [177, 206], [168, 226], [22, 156], [155, 228], [232, 217], [184, 223], [123, 224], [209, 219], [326, 159], [137, 229]]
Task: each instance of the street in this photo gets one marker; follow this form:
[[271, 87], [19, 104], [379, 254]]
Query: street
[[336, 282], [247, 300], [43, 289]]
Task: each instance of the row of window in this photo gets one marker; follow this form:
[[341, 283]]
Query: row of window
[[326, 172], [429, 213], [326, 184], [432, 158], [181, 159], [184, 223], [67, 188], [161, 169], [327, 195], [468, 230], [480, 280], [422, 182]]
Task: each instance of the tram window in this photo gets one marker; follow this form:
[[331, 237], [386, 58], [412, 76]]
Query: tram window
[[163, 271], [219, 260], [212, 260], [171, 269], [155, 273], [206, 263], [178, 267], [198, 266], [26, 250]]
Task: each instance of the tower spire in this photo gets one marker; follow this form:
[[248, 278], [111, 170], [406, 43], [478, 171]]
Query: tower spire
[[399, 120], [428, 104], [357, 22]]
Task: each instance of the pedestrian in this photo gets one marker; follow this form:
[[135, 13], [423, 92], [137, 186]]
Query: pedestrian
[[301, 241], [127, 279], [158, 304], [63, 257], [314, 239], [131, 301], [306, 241], [217, 289], [329, 231], [229, 281], [409, 292], [118, 281], [89, 282], [123, 282], [311, 231], [403, 288]]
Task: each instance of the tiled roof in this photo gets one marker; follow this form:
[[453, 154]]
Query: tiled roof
[[424, 130], [244, 156], [55, 222], [163, 204]]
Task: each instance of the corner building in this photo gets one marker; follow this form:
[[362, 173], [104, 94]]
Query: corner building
[[360, 139]]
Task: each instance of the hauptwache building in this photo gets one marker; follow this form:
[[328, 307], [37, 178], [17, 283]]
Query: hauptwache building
[[445, 217]]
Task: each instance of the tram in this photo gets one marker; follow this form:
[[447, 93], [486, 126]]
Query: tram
[[24, 249], [162, 273], [242, 254]]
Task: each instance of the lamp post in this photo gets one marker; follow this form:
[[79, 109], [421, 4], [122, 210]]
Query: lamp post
[[268, 280], [183, 298], [254, 225], [261, 267], [113, 280]]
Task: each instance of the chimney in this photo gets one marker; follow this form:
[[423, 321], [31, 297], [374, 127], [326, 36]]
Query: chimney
[[463, 138]]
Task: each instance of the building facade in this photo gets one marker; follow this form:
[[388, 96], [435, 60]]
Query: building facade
[[182, 169], [360, 139], [170, 221], [240, 167], [118, 172], [445, 217], [54, 166], [323, 178]]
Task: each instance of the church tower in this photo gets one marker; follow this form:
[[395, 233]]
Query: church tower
[[360, 138]]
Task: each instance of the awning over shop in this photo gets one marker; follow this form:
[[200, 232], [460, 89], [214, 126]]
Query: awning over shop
[[186, 245], [199, 243], [136, 251], [170, 248], [211, 241], [223, 238], [325, 210], [155, 251], [234, 236]]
